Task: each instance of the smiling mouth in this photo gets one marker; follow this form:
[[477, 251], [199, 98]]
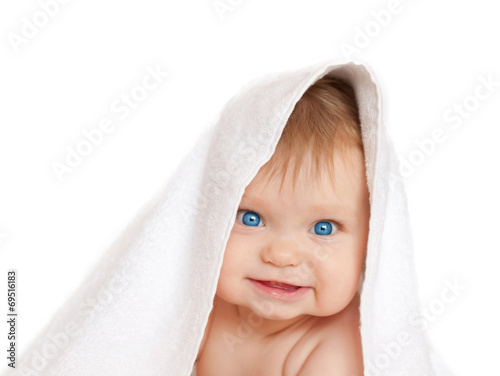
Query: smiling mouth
[[279, 290], [280, 285]]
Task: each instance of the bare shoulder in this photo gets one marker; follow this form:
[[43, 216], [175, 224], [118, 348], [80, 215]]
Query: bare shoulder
[[333, 347], [335, 358]]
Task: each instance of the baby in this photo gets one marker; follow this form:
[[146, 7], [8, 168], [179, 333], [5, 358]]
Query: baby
[[287, 299]]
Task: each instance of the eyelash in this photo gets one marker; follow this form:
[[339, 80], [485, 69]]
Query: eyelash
[[340, 226]]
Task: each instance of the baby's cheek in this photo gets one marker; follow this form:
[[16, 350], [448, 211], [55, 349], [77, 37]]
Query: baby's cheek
[[230, 262], [335, 292], [229, 284], [226, 270], [224, 284], [230, 270]]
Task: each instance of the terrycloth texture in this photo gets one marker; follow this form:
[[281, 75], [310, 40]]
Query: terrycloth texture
[[144, 309]]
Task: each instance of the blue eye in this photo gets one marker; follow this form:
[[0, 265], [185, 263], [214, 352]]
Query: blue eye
[[249, 218], [323, 228]]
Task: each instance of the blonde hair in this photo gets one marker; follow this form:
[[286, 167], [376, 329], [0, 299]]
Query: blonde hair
[[324, 121]]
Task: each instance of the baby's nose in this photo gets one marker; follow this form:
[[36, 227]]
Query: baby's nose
[[282, 252]]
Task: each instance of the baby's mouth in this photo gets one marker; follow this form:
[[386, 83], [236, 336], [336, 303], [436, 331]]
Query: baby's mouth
[[280, 285], [279, 290]]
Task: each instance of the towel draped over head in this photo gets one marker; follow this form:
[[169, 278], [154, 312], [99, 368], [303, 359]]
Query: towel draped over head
[[144, 307]]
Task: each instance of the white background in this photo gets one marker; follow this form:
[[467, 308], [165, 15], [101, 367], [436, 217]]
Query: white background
[[429, 56]]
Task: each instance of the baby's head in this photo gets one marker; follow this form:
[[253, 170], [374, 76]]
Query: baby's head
[[307, 230]]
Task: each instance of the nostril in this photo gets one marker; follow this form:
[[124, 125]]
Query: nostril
[[280, 261]]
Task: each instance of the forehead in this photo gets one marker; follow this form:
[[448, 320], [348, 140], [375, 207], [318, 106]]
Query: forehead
[[344, 187]]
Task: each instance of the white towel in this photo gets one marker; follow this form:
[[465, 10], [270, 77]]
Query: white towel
[[144, 308]]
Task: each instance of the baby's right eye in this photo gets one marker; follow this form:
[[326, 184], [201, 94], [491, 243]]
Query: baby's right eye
[[249, 218]]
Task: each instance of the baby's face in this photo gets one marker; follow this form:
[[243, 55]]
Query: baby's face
[[313, 238]]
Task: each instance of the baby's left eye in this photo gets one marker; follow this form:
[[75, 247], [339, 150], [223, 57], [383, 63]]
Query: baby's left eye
[[324, 228]]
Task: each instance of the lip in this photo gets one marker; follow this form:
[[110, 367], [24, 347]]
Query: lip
[[277, 292]]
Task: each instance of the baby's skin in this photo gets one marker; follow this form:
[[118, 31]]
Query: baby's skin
[[286, 301]]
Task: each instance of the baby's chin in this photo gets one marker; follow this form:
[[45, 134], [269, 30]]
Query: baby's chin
[[275, 310], [271, 309], [264, 309]]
